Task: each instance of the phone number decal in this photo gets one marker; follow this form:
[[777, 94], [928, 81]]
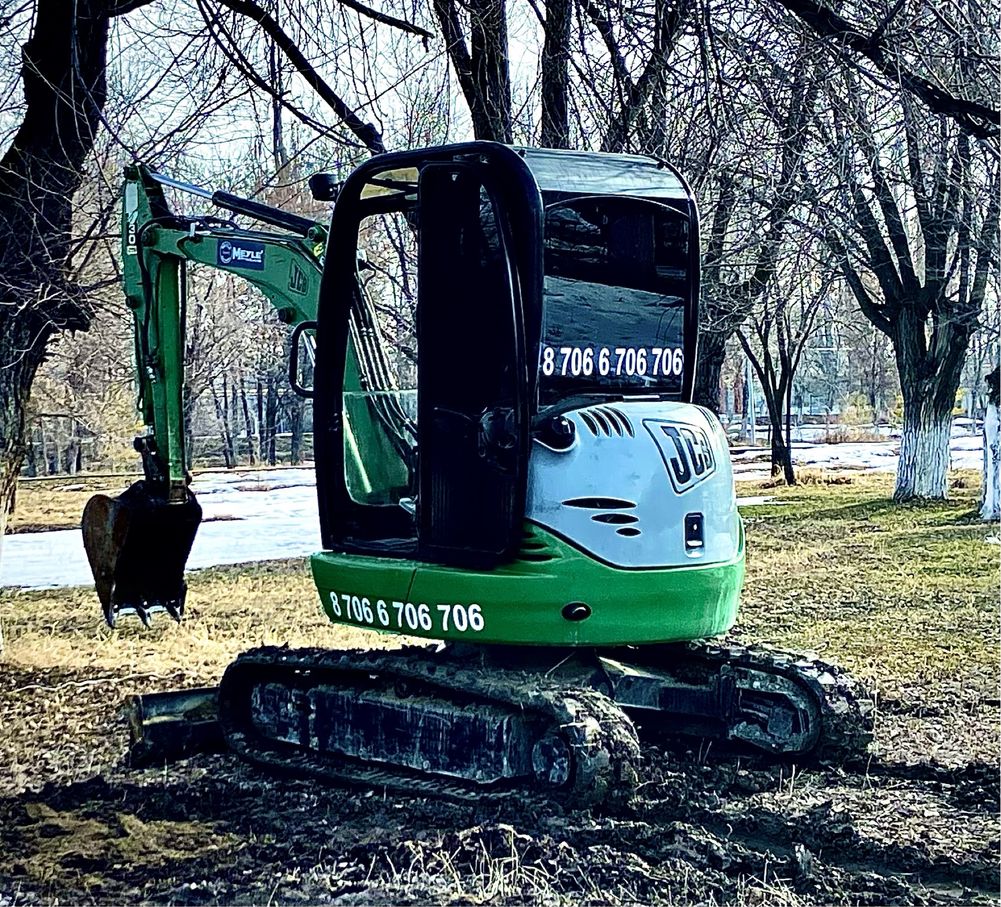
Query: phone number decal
[[406, 616], [605, 361]]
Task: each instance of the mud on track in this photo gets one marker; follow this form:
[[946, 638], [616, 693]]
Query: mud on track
[[703, 828]]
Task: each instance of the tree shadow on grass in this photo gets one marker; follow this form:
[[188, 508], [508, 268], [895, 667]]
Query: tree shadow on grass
[[886, 508]]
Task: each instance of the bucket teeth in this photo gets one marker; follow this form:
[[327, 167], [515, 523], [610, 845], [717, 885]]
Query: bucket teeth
[[137, 545]]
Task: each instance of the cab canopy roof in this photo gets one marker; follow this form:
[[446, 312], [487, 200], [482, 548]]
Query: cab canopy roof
[[565, 172], [594, 173]]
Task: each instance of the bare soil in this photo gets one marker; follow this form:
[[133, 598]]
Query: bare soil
[[905, 597]]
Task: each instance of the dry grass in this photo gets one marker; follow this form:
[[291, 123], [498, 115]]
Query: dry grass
[[64, 672], [229, 609], [58, 502], [905, 596]]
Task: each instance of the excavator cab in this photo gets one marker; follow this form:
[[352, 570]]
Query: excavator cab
[[539, 310]]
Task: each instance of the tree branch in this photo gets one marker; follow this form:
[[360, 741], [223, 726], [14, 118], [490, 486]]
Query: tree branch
[[386, 19], [366, 132], [977, 119]]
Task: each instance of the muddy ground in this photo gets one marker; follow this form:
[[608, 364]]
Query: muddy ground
[[908, 603]]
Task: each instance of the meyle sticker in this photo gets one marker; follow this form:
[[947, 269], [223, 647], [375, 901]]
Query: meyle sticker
[[241, 254]]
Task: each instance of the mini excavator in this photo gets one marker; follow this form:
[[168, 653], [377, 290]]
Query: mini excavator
[[507, 463]]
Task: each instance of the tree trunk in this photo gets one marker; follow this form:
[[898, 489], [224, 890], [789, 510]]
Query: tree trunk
[[71, 455], [990, 508], [295, 456], [248, 422], [224, 433], [790, 473], [48, 467], [781, 450], [782, 455], [990, 505], [271, 417], [712, 354], [924, 452], [295, 406], [554, 78], [62, 63], [262, 431], [31, 459], [234, 414], [22, 358], [187, 417], [929, 379]]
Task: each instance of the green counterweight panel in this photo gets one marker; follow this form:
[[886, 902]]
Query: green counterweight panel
[[553, 595]]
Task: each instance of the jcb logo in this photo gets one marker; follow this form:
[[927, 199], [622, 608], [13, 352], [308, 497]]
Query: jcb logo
[[297, 280], [687, 452]]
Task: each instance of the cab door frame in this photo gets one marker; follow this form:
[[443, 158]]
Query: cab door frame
[[389, 530]]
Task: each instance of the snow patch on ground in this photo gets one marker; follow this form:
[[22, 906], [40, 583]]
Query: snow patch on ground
[[965, 451], [252, 516]]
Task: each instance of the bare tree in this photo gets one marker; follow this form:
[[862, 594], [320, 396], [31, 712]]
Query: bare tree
[[63, 73], [476, 39], [915, 242], [63, 77], [639, 49], [739, 265], [774, 339], [913, 47]]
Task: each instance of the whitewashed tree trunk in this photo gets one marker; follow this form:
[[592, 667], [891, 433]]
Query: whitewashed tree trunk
[[924, 457], [991, 507]]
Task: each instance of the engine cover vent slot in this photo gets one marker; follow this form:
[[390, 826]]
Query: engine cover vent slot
[[616, 518], [606, 421], [599, 503], [628, 531]]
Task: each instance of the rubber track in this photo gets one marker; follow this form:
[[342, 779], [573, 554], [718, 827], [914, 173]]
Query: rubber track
[[847, 709], [603, 739]]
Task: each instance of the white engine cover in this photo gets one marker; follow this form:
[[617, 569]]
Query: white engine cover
[[622, 489]]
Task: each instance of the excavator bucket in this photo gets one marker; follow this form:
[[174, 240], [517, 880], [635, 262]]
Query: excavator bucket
[[137, 545]]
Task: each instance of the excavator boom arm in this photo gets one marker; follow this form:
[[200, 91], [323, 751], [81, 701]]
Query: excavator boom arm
[[157, 246], [138, 543]]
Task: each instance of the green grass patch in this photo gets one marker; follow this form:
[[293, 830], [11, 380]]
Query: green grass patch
[[903, 594]]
